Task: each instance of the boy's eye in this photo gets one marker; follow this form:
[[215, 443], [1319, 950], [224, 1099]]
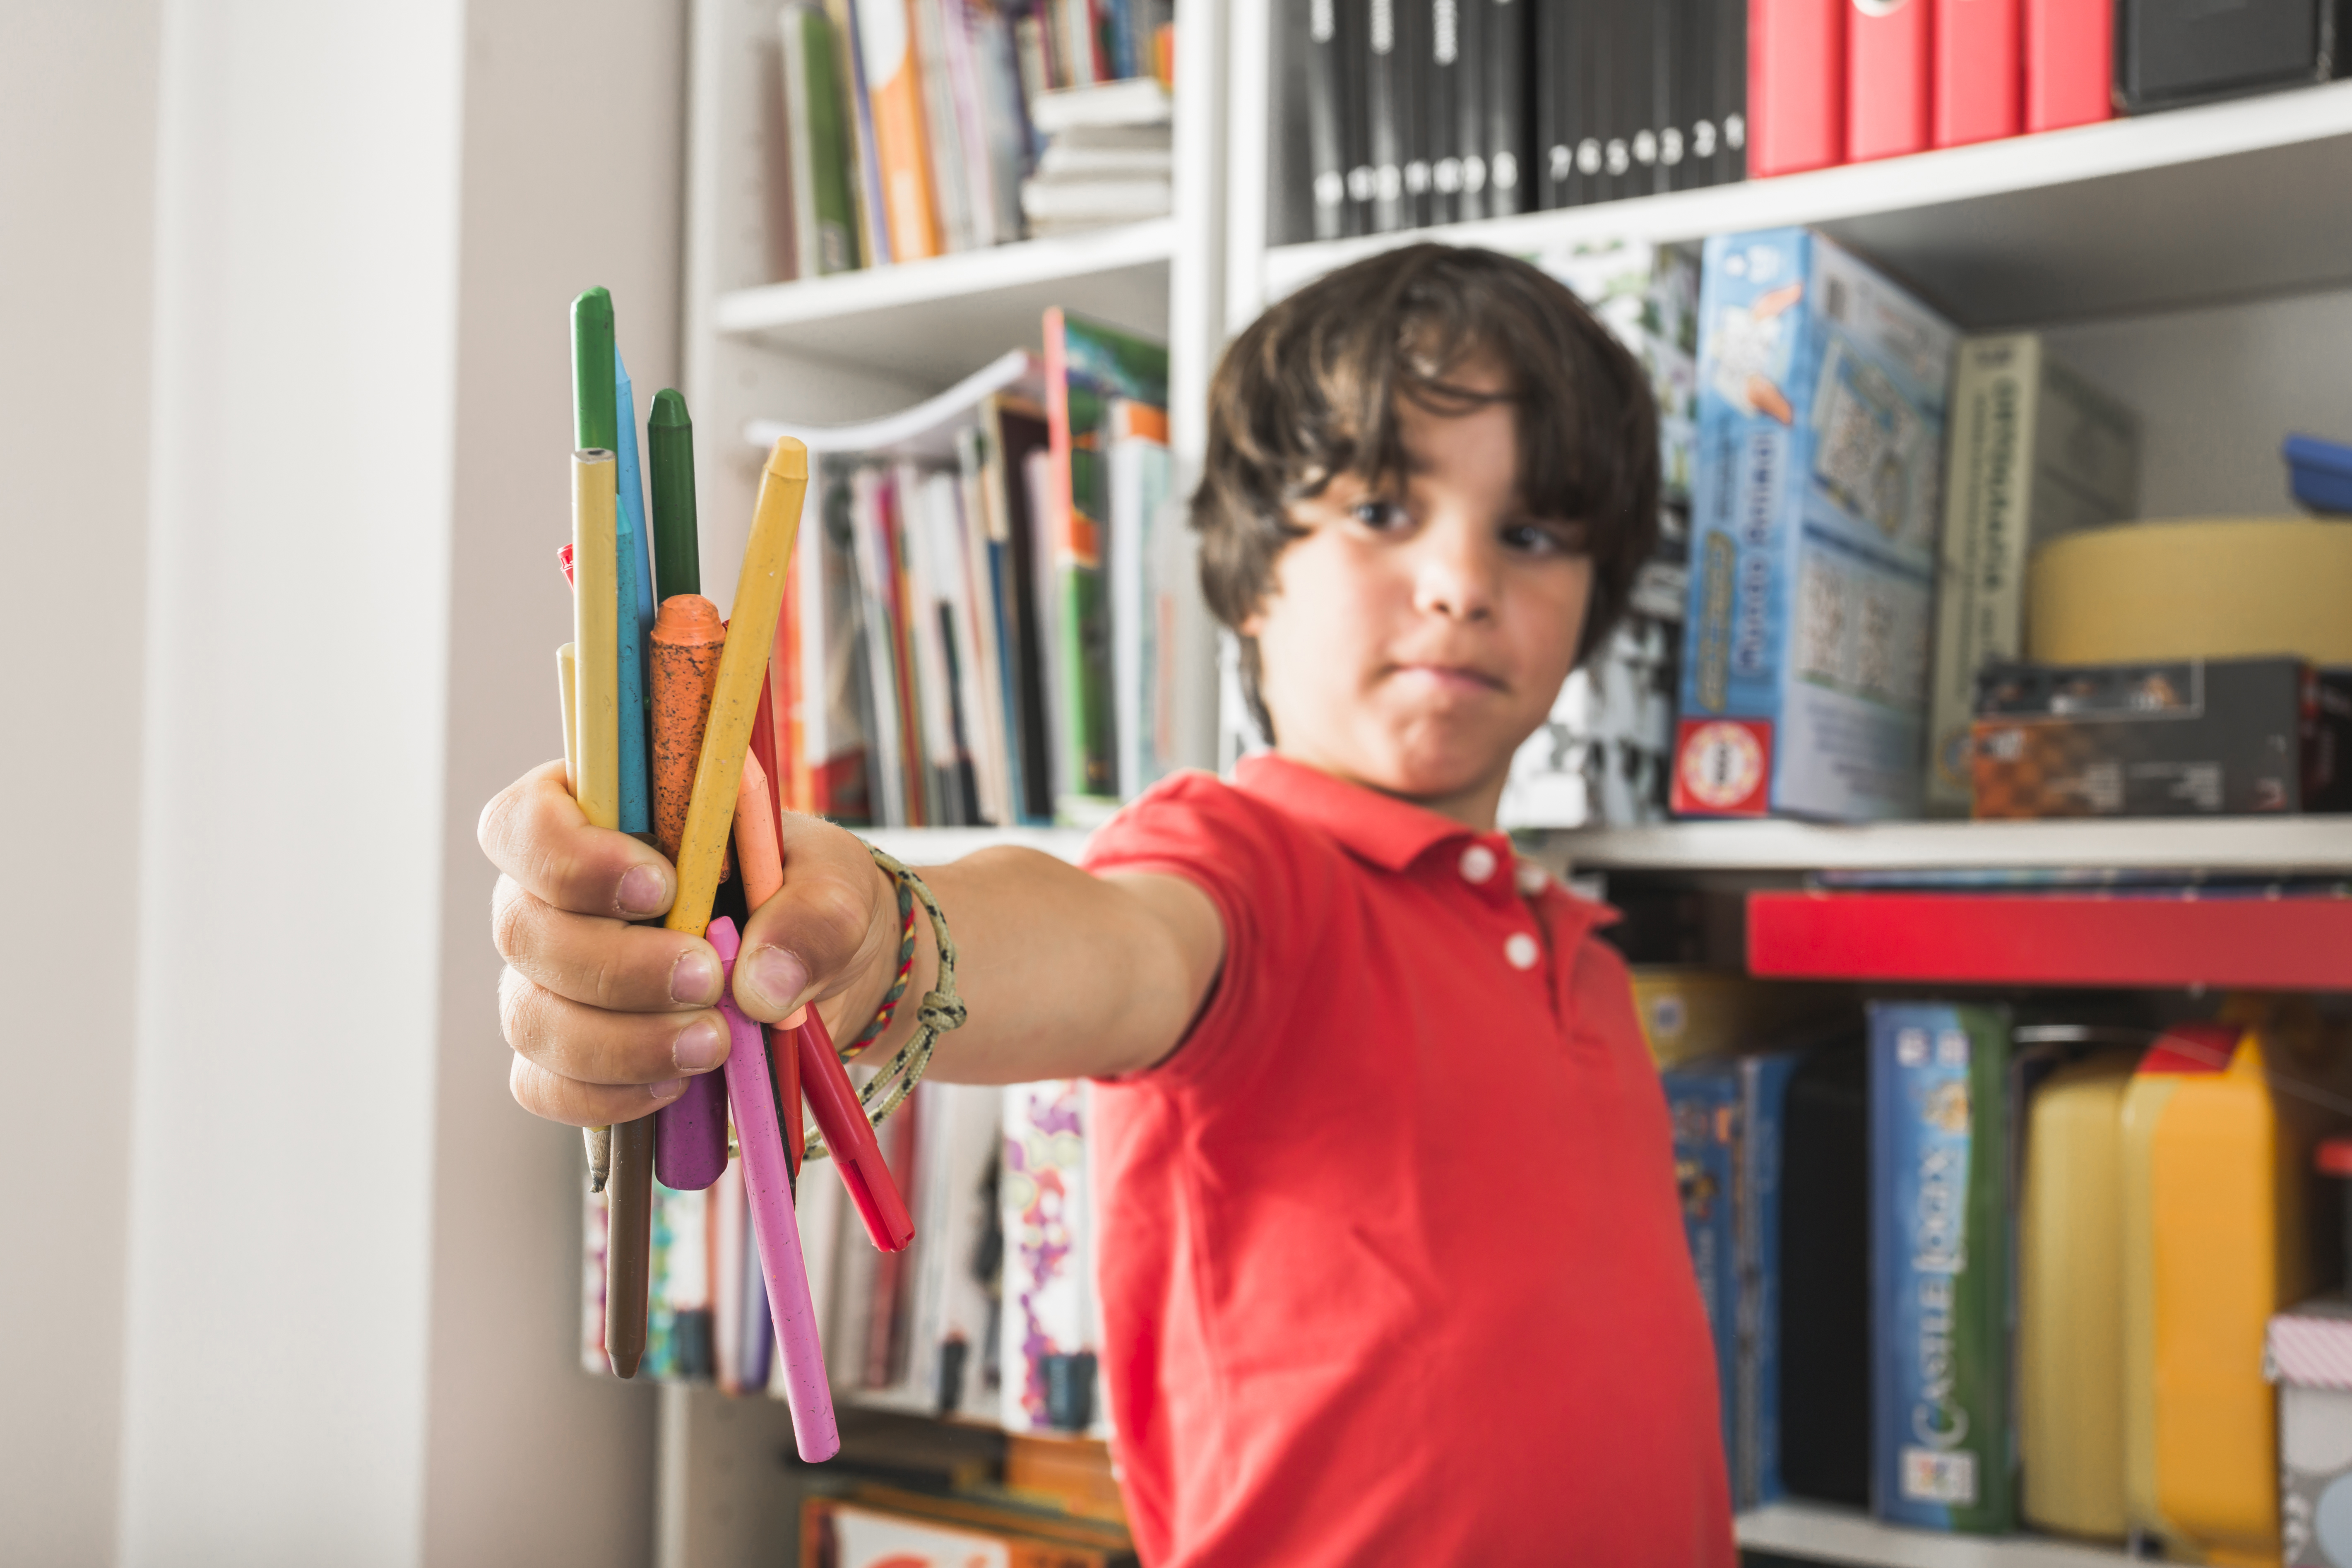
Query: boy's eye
[[1545, 538], [1378, 514]]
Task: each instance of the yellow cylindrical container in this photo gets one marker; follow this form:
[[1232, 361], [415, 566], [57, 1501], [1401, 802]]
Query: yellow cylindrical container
[[2070, 1309], [2201, 588]]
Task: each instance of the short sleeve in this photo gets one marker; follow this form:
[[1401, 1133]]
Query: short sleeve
[[1263, 870]]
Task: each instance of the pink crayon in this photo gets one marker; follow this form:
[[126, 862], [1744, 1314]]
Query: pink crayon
[[767, 1186]]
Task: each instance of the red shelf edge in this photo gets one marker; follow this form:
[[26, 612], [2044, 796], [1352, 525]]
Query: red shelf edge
[[2282, 944]]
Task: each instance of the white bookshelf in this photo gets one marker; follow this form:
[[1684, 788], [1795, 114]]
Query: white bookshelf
[[1826, 1534], [2198, 262]]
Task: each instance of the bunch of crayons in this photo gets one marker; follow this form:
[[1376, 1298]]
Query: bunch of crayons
[[665, 736]]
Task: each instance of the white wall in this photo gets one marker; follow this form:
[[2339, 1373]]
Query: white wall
[[574, 126], [76, 199], [352, 1299]]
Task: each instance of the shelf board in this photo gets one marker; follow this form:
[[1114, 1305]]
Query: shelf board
[[2196, 205], [2206, 844], [2026, 939], [1826, 1534], [935, 845], [936, 320]]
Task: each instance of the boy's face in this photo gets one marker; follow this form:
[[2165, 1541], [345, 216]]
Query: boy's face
[[1415, 635]]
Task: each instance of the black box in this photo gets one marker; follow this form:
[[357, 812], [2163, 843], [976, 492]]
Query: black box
[[2168, 738], [2174, 52]]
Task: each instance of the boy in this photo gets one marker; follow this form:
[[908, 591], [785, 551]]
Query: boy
[[1391, 1266]]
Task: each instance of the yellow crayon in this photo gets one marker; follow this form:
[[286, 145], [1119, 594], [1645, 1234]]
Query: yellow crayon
[[595, 624], [743, 667], [567, 675]]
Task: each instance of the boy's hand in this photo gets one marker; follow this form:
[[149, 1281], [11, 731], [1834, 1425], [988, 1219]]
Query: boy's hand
[[607, 1018]]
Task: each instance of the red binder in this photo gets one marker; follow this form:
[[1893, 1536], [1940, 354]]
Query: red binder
[[1887, 78], [2069, 62], [1979, 76], [1796, 85]]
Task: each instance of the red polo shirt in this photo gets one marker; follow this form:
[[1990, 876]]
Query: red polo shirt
[[1392, 1265]]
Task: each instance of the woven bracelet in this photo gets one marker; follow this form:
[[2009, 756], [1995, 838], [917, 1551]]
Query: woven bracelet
[[939, 1010]]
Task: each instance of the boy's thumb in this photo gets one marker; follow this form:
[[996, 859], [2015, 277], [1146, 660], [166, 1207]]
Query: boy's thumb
[[818, 933]]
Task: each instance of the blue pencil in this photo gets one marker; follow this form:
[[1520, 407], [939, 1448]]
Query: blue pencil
[[633, 587]]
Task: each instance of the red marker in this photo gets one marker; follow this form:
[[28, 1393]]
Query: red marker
[[850, 1136]]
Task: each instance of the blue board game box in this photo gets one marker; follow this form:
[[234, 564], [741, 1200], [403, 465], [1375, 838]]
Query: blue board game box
[[1728, 1115], [1942, 1450], [1815, 502]]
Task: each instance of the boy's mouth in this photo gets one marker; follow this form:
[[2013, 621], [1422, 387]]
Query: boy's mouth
[[1458, 679]]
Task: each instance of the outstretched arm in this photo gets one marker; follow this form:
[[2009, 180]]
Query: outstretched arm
[[1063, 973]]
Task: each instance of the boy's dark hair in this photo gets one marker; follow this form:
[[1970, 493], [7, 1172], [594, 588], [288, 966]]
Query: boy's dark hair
[[1308, 393]]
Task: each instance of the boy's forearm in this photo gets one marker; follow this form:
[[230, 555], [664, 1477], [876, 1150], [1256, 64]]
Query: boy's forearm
[[1062, 973]]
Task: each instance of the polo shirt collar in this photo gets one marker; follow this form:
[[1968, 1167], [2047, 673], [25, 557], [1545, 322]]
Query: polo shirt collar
[[1389, 833]]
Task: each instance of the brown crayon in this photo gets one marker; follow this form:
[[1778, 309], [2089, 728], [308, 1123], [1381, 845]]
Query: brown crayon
[[628, 1243], [688, 637]]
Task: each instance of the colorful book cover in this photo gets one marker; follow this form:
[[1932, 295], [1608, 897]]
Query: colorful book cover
[[1087, 365], [894, 95], [1943, 1452], [1796, 85], [1014, 433], [1888, 78], [1816, 496], [1050, 1333], [1979, 81], [824, 205], [1703, 1101]]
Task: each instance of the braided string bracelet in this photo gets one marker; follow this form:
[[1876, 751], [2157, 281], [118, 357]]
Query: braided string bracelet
[[939, 1010]]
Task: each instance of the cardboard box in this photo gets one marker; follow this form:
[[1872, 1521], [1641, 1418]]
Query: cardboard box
[[1814, 516], [1942, 1454], [2166, 738]]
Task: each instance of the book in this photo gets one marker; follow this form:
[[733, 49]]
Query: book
[[1888, 78], [824, 210], [1326, 117], [1557, 54], [2069, 57], [1796, 85], [894, 100], [950, 175], [1979, 76], [1386, 116], [1469, 189], [1942, 1457], [1142, 635], [873, 220], [1815, 502], [1442, 140], [1824, 1437], [1012, 435], [1142, 100], [1051, 1320], [2035, 452], [1087, 365], [1096, 200], [953, 1355], [1504, 38], [1721, 134], [1415, 68], [1354, 18]]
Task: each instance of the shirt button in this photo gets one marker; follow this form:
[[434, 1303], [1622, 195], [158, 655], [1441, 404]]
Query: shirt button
[[1533, 879], [1522, 951], [1477, 863]]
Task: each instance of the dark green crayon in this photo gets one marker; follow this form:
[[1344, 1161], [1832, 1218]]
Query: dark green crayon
[[669, 444]]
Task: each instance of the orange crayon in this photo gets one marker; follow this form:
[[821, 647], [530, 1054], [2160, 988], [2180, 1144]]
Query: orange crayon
[[688, 637]]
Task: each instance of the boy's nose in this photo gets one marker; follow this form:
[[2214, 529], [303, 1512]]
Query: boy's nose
[[1455, 573]]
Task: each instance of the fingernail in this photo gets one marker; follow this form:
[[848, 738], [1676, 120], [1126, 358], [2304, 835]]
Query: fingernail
[[694, 979], [777, 977], [669, 1090], [700, 1045], [644, 891]]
